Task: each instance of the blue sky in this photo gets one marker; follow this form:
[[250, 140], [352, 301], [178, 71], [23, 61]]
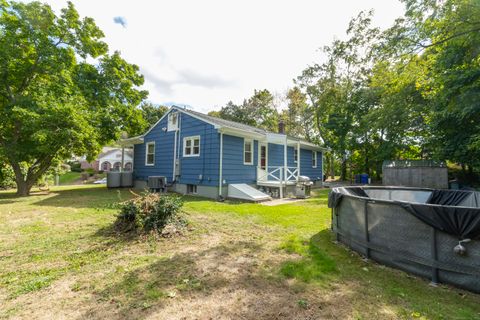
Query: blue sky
[[205, 53]]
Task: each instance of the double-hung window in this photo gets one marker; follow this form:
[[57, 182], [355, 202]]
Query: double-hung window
[[191, 146], [314, 159], [247, 151], [295, 155], [150, 154]]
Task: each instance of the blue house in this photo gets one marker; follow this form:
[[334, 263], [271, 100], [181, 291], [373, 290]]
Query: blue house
[[212, 157]]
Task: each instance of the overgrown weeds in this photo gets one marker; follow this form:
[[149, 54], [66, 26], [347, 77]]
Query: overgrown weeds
[[151, 213]]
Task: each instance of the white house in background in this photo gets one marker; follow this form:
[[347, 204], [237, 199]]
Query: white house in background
[[112, 160], [109, 159]]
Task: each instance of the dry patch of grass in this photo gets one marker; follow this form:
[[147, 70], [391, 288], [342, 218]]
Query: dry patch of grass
[[242, 261]]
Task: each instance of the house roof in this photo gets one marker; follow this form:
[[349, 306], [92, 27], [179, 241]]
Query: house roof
[[108, 150], [222, 123]]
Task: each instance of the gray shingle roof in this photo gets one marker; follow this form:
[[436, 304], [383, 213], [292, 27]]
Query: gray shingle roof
[[234, 125], [223, 122]]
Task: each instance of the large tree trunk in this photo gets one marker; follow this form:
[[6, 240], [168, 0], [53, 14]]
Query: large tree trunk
[[343, 174], [23, 185], [23, 188], [26, 181]]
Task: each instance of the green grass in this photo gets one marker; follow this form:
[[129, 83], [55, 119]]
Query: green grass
[[261, 261], [69, 177]]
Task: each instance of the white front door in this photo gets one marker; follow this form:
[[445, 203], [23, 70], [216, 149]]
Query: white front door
[[262, 156], [262, 167]]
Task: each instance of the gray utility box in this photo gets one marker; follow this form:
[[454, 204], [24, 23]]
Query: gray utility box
[[303, 187], [157, 183], [114, 179], [117, 179]]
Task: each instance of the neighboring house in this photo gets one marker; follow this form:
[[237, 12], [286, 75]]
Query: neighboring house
[[110, 159], [201, 154]]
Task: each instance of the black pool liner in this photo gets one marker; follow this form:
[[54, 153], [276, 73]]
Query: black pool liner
[[438, 212]]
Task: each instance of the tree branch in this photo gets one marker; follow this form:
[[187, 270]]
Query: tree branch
[[449, 38]]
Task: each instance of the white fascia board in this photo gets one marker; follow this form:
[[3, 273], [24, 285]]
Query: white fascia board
[[131, 141], [156, 123], [241, 133], [194, 116], [179, 109]]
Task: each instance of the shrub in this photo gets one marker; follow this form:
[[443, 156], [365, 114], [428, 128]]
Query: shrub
[[7, 177], [149, 212], [75, 166]]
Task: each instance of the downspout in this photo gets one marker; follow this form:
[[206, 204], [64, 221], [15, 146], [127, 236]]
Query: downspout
[[174, 155], [298, 159], [177, 141], [220, 173]]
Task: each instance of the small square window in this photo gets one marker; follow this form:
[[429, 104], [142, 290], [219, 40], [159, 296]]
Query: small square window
[[191, 189], [191, 146]]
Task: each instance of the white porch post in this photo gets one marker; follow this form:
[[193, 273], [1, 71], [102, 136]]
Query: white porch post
[[220, 173], [322, 169], [123, 158], [285, 165], [298, 159]]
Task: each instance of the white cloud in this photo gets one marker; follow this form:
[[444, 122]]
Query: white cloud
[[205, 53]]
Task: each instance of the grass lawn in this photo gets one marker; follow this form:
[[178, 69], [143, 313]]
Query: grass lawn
[[69, 177], [59, 259]]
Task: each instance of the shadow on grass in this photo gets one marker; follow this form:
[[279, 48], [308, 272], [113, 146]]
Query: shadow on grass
[[224, 281]]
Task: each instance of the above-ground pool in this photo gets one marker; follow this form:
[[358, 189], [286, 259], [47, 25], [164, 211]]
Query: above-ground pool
[[431, 233]]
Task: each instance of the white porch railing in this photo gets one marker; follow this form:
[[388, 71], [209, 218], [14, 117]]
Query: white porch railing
[[280, 174]]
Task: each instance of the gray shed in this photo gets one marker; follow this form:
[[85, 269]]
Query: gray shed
[[415, 173]]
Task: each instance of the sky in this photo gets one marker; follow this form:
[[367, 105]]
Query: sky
[[206, 53]]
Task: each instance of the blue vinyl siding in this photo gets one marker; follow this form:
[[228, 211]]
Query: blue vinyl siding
[[234, 171], [192, 169], [204, 169], [275, 159], [306, 165], [164, 144]]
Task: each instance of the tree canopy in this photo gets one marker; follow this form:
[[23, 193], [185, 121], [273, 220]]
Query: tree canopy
[[409, 92], [61, 92]]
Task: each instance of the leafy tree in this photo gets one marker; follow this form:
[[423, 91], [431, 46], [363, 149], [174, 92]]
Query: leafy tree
[[446, 35], [299, 116], [336, 86], [152, 113], [237, 113], [53, 102], [259, 111]]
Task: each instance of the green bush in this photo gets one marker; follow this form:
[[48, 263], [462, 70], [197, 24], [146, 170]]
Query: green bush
[[90, 171], [149, 212], [7, 177], [75, 166]]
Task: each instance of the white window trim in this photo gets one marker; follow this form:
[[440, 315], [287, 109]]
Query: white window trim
[[295, 150], [193, 138], [245, 141], [146, 153], [314, 155]]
